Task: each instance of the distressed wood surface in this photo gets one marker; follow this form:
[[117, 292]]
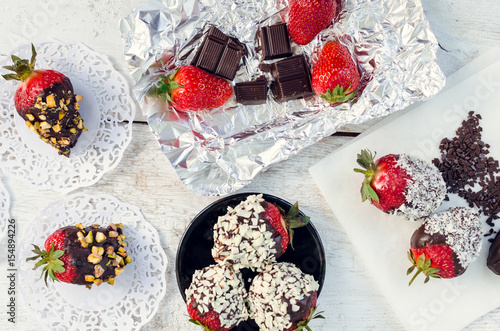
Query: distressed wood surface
[[352, 301]]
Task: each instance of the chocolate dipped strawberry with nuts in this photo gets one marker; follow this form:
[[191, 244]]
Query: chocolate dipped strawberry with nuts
[[254, 233], [446, 244], [46, 101], [83, 255], [216, 298], [282, 297], [401, 184]]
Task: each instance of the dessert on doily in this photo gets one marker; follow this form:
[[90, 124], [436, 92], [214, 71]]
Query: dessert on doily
[[83, 255], [46, 101]]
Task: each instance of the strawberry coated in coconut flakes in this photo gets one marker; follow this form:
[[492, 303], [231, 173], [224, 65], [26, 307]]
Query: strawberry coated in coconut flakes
[[426, 190], [462, 229]]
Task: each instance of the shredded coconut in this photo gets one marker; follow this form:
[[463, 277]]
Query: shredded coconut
[[426, 190], [462, 229], [221, 289], [278, 292], [242, 239]]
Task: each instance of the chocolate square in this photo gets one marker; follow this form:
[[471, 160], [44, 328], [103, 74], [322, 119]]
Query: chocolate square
[[253, 92], [292, 78], [219, 54], [275, 41]]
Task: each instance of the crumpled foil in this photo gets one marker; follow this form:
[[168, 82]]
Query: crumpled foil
[[219, 151]]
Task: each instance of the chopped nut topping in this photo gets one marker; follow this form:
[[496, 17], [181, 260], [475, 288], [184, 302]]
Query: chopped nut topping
[[78, 97], [98, 271], [118, 271], [94, 258], [110, 250], [113, 234], [98, 250], [89, 278], [45, 125], [51, 102], [100, 237], [111, 280], [98, 282], [30, 117], [89, 238]]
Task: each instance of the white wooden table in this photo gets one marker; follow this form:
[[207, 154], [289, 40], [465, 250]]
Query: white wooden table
[[351, 300]]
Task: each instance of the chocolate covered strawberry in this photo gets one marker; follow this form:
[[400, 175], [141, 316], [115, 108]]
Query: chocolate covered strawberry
[[282, 297], [192, 89], [401, 184], [445, 244], [83, 255], [254, 233], [306, 18], [46, 101], [216, 298], [335, 76]]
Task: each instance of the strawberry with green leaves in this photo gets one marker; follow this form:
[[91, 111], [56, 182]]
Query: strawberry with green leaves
[[83, 255], [445, 244], [46, 101], [401, 184], [335, 76], [193, 89], [306, 18], [254, 233]]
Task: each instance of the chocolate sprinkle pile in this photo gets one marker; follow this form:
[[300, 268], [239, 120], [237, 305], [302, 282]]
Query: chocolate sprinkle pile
[[468, 171]]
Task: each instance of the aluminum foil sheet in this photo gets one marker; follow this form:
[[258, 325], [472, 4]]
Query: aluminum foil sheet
[[219, 151]]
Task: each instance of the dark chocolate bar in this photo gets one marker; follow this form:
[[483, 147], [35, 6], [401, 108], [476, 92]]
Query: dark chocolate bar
[[219, 54], [253, 92], [275, 41], [292, 78]]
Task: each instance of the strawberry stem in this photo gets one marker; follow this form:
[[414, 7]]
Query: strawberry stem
[[22, 68], [167, 85], [338, 94], [51, 261], [365, 160], [294, 220]]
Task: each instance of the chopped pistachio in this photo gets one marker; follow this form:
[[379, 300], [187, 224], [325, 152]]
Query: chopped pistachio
[[78, 97], [89, 238], [98, 282], [56, 128], [83, 242], [61, 115], [51, 102], [128, 259], [98, 271], [45, 125], [98, 250], [94, 258], [111, 280], [30, 117], [110, 250], [118, 271], [113, 234], [100, 237], [89, 278], [42, 117]]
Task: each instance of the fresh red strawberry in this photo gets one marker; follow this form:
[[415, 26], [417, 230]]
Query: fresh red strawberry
[[335, 76], [192, 89], [83, 256], [306, 18], [445, 245], [390, 187], [216, 298], [46, 101]]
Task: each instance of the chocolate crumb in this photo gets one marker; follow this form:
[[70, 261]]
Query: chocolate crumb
[[468, 170]]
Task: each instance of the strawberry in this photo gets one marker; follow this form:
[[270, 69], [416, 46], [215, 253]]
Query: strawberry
[[401, 184], [445, 244], [46, 101], [335, 76], [255, 233], [83, 255], [216, 298], [306, 18], [282, 297], [192, 89]]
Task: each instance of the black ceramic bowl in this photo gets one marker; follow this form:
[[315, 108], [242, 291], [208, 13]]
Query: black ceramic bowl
[[194, 251]]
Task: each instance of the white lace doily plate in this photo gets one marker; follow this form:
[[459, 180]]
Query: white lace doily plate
[[107, 110], [127, 305], [4, 210]]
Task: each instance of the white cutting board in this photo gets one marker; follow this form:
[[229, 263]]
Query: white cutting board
[[383, 240]]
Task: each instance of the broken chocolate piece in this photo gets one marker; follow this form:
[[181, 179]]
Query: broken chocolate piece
[[253, 92], [275, 41], [219, 54], [292, 78]]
